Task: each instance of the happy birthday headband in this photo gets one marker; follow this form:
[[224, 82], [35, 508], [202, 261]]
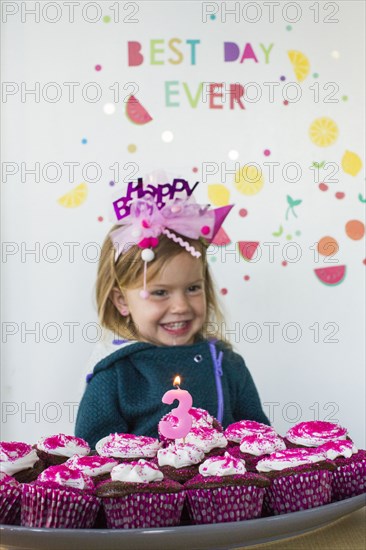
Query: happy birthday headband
[[157, 210]]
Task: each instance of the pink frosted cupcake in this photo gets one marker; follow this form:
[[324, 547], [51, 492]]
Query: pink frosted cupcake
[[20, 460], [200, 419], [180, 461], [254, 447], [138, 496], [60, 498], [300, 479], [128, 447], [56, 449], [235, 432], [224, 491], [97, 467], [349, 479], [10, 493], [314, 433], [210, 441]]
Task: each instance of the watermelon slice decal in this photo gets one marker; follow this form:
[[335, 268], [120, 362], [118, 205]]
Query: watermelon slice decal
[[247, 249], [221, 238], [135, 112], [331, 276]]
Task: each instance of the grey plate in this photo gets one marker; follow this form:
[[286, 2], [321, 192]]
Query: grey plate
[[195, 537]]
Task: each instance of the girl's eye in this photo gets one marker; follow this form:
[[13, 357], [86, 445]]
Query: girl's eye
[[159, 292], [194, 288]]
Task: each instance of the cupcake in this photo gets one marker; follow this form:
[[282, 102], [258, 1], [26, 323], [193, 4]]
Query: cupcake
[[200, 419], [59, 498], [299, 479], [314, 433], [179, 461], [210, 441], [224, 491], [10, 493], [56, 449], [254, 447], [138, 496], [235, 432], [127, 447], [349, 479], [20, 460], [96, 467]]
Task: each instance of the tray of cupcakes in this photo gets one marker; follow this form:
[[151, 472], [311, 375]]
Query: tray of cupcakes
[[246, 475]]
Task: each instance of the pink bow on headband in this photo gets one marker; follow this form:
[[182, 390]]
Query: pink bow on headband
[[146, 223]]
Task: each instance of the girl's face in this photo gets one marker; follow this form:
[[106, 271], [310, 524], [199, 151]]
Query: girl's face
[[175, 310]]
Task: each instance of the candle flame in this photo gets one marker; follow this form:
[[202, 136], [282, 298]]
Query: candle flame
[[176, 381]]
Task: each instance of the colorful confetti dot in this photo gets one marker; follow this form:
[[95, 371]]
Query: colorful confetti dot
[[195, 169], [111, 183], [285, 102], [223, 291], [339, 195], [315, 75], [109, 108], [98, 67], [282, 78], [84, 141], [213, 259], [106, 19], [289, 28], [246, 277], [335, 54], [100, 218], [297, 233], [284, 263], [243, 212], [212, 17], [289, 237], [323, 187], [344, 97], [364, 261], [132, 148], [167, 136], [266, 152]]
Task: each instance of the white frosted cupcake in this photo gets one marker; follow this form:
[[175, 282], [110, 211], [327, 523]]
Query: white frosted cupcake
[[128, 447], [180, 461], [56, 449], [20, 460], [254, 447]]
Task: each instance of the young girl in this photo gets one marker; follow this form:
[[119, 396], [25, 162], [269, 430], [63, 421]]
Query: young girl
[[155, 292]]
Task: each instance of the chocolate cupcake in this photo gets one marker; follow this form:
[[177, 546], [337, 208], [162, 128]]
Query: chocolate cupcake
[[59, 498], [20, 460], [10, 493], [314, 433], [128, 447], [58, 448], [235, 432], [224, 491], [254, 447], [97, 467], [180, 461], [200, 419], [299, 479], [349, 478], [138, 496], [210, 441]]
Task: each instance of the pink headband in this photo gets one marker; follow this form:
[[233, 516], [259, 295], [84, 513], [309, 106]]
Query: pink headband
[[146, 222]]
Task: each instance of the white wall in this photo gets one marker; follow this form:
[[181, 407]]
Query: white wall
[[301, 380]]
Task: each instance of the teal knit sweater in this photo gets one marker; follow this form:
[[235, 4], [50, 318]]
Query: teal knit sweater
[[124, 394]]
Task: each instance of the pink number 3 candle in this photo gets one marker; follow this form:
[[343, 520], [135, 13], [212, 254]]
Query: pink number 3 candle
[[181, 412]]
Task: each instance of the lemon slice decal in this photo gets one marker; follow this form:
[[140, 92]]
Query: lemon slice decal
[[75, 197], [323, 132], [351, 163], [300, 64], [218, 194], [249, 180]]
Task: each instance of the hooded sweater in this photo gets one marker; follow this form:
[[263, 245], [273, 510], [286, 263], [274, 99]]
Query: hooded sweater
[[124, 392]]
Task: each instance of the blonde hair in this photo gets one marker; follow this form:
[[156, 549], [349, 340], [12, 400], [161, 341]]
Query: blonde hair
[[127, 272]]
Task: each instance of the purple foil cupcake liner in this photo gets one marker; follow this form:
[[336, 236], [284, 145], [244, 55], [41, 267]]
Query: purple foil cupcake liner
[[142, 510], [298, 492], [57, 508], [9, 504], [223, 504], [349, 480]]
